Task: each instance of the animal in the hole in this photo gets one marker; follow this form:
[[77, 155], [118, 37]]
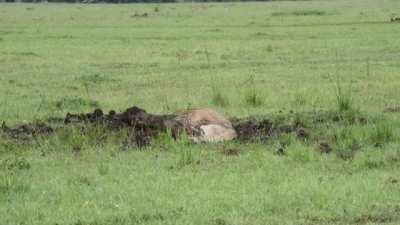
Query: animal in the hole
[[206, 125]]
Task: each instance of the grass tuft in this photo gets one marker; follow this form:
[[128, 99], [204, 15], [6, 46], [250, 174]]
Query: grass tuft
[[251, 95], [370, 159], [186, 157], [218, 98], [76, 103], [382, 132], [252, 98], [344, 100], [346, 144]]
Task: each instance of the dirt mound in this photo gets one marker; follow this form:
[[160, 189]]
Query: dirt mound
[[252, 129], [143, 126], [131, 117], [27, 131]]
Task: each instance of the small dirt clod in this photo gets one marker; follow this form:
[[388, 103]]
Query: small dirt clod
[[302, 133], [324, 147], [26, 131]]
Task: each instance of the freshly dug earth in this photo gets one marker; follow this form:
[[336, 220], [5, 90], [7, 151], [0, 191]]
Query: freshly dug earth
[[27, 131], [264, 129], [143, 126]]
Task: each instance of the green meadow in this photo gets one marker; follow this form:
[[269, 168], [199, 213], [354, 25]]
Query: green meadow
[[290, 61]]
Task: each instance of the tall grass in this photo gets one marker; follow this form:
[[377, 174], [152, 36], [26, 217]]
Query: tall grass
[[347, 143], [219, 98], [344, 98], [382, 132], [252, 96]]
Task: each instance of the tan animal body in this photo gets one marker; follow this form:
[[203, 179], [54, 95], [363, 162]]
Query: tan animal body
[[206, 125]]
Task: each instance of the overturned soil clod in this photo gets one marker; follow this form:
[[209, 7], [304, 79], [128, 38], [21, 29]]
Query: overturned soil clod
[[395, 19], [27, 131], [252, 129], [143, 126], [324, 147]]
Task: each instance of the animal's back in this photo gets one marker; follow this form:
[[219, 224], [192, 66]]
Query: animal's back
[[203, 116], [206, 124]]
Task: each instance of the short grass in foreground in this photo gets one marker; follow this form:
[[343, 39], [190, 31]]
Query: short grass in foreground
[[281, 60]]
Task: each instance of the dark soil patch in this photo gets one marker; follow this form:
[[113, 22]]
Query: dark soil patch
[[143, 126], [139, 15], [252, 129], [324, 147], [392, 180], [27, 131], [395, 19], [370, 218], [302, 133], [280, 151]]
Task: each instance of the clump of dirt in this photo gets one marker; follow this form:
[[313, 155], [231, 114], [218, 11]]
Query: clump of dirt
[[302, 133], [280, 151], [27, 131], [324, 147], [252, 129], [392, 180], [395, 19], [143, 126], [140, 15]]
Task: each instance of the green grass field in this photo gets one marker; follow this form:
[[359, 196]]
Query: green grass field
[[276, 60]]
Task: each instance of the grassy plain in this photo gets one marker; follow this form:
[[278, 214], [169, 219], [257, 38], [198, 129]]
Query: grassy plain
[[243, 59]]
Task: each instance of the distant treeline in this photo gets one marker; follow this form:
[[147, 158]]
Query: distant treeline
[[131, 1]]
